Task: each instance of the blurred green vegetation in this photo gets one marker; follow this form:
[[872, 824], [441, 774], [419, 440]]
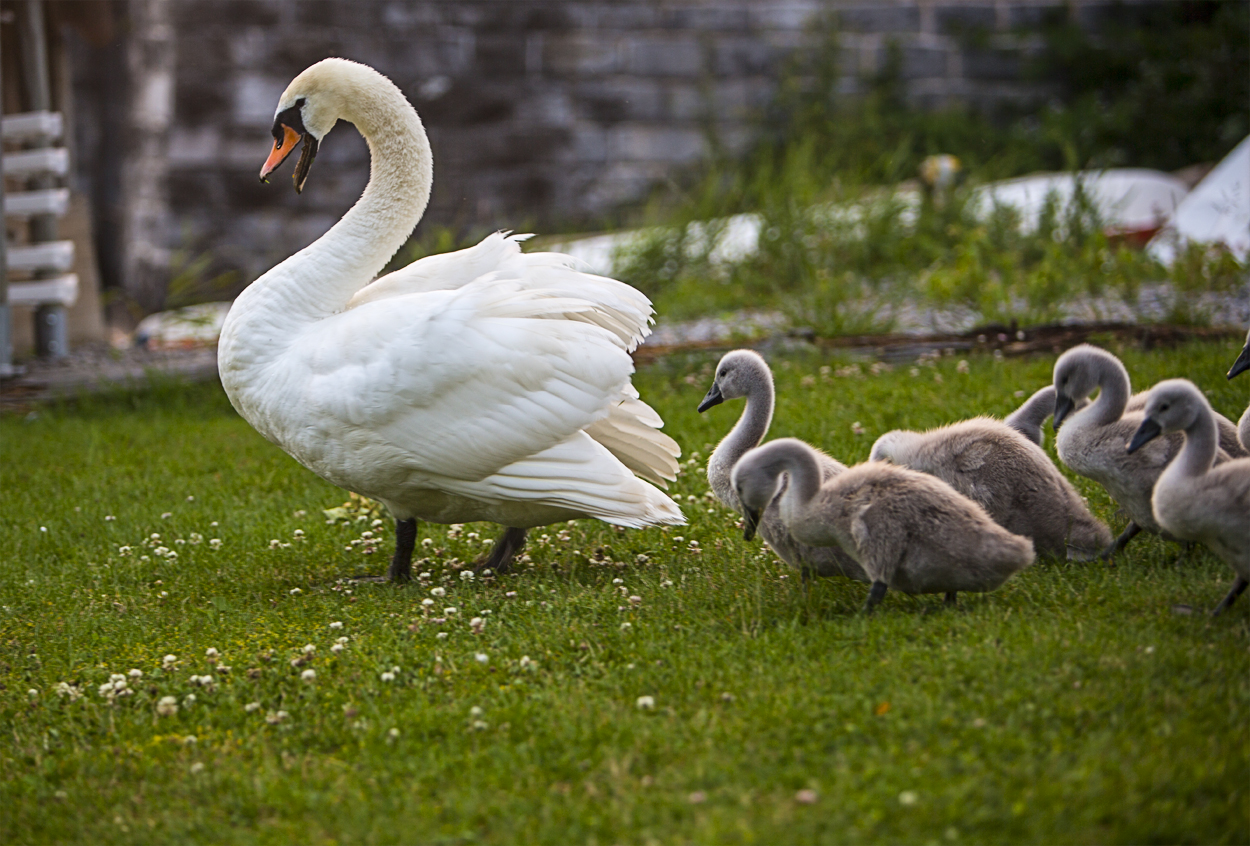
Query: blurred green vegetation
[[841, 249]]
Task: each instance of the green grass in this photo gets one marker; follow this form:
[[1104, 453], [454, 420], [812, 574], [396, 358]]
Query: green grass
[[1073, 705]]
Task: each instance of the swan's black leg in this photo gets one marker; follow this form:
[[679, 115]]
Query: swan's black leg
[[950, 597], [1130, 532], [875, 595], [405, 542], [506, 548], [1238, 587]]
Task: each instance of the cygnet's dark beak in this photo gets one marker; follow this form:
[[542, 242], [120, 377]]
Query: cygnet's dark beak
[[750, 522], [1063, 407], [1146, 432], [1242, 364], [711, 398]]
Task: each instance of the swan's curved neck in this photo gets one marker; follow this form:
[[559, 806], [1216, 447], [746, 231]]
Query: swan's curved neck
[[1113, 394], [1035, 409], [1201, 442], [805, 479], [320, 279], [746, 434]]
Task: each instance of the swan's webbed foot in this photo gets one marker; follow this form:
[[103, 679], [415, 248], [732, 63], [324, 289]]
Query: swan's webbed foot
[[1239, 587], [875, 595], [1130, 532], [405, 542], [511, 542]]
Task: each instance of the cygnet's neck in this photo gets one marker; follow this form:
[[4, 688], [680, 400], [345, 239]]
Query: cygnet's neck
[[1114, 391], [1202, 439], [800, 464], [746, 434]]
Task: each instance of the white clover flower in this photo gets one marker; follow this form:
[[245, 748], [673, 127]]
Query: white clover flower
[[480, 725], [164, 593], [162, 551], [32, 693], [189, 699], [337, 648], [393, 733], [308, 676], [169, 660], [275, 717], [450, 611], [298, 533], [645, 703], [427, 542], [337, 624], [196, 538], [427, 602], [251, 707], [136, 674], [197, 767], [666, 583], [309, 648], [525, 661], [167, 515], [223, 668], [618, 581], [438, 591], [215, 543], [387, 676], [109, 518], [154, 536], [123, 550], [510, 594], [295, 591], [213, 524], [167, 706], [467, 575], [635, 600], [475, 711], [441, 636], [275, 544], [481, 657], [211, 652], [626, 626], [343, 639], [908, 797]]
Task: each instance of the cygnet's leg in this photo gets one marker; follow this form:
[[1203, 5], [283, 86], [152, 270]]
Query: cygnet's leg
[[875, 595], [1239, 586], [506, 548], [950, 597], [1130, 532], [405, 542]]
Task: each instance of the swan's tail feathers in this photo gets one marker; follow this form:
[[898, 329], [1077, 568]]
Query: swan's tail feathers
[[582, 475], [619, 308], [631, 432]]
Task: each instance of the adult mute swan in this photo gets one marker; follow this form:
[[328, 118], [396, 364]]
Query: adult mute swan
[[484, 384]]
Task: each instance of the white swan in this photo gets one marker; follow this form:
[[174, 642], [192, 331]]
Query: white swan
[[1194, 499], [485, 384]]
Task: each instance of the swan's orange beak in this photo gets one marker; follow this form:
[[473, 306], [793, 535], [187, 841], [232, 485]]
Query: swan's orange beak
[[281, 149]]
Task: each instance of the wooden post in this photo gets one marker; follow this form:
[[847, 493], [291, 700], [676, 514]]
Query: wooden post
[[51, 321]]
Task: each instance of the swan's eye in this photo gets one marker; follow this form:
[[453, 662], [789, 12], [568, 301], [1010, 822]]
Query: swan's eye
[[299, 104]]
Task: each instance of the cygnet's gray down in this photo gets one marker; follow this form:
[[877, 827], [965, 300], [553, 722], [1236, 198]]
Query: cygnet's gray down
[[1241, 365], [909, 531], [1194, 499], [1229, 439], [744, 373], [1010, 477], [1091, 441]]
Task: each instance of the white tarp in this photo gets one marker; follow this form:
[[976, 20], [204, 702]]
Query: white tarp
[[1126, 199], [1216, 211]]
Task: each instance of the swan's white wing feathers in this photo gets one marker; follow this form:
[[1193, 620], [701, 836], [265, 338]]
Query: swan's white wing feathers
[[398, 369], [621, 309]]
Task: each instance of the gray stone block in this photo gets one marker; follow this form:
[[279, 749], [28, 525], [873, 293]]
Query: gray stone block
[[655, 143], [744, 56], [919, 62], [619, 98], [880, 17], [256, 98], [658, 55], [966, 18], [991, 64], [581, 54], [783, 15]]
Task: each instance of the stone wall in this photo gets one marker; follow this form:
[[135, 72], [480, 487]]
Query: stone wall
[[542, 115]]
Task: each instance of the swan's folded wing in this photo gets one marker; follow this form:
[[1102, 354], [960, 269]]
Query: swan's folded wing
[[619, 308], [462, 383]]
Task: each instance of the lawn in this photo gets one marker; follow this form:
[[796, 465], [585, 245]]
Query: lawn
[[157, 534]]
